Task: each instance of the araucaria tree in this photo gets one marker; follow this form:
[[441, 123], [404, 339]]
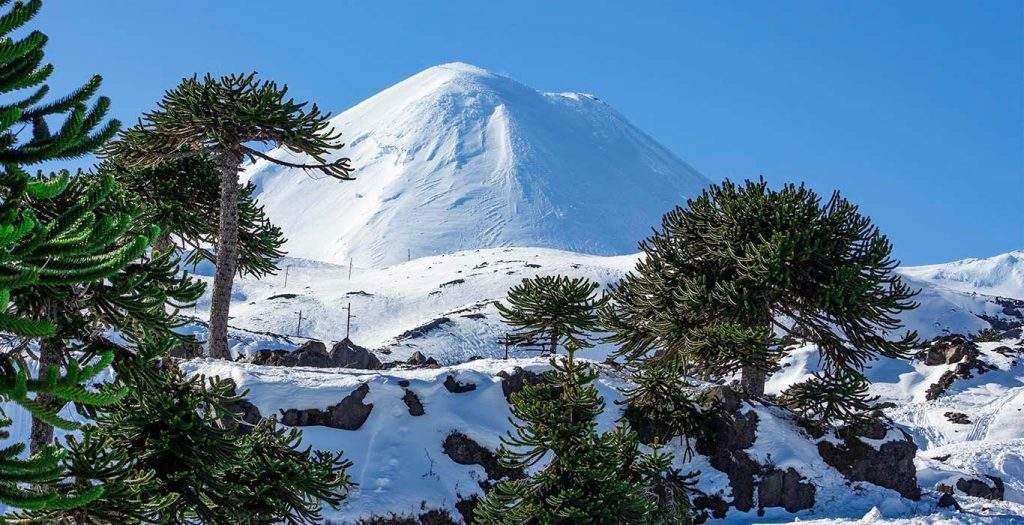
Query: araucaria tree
[[218, 118], [743, 270], [552, 311], [589, 477]]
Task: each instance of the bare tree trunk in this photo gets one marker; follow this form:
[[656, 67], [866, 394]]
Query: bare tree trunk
[[227, 254], [42, 432], [752, 381]]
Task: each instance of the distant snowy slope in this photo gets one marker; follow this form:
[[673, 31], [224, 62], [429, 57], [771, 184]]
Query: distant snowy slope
[[456, 157], [1001, 275]]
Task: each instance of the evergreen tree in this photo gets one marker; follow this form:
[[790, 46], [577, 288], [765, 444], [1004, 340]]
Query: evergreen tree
[[74, 247], [741, 264], [591, 477], [217, 118], [173, 451], [183, 197], [550, 311]]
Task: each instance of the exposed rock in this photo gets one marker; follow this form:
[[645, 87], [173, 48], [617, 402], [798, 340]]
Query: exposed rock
[[451, 283], [423, 329], [713, 504], [467, 507], [890, 466], [247, 413], [417, 359], [311, 353], [727, 435], [1013, 333], [514, 382], [958, 418], [964, 370], [346, 354], [723, 398], [456, 387], [413, 402], [946, 498], [282, 296], [187, 349], [786, 489], [465, 451], [948, 350], [349, 414], [980, 489]]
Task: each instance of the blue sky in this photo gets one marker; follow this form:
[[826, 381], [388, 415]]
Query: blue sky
[[912, 109]]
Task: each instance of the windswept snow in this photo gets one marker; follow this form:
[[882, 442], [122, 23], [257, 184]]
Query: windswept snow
[[457, 157], [1001, 275]]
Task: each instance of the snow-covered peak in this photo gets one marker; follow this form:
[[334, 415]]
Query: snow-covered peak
[[456, 157], [1001, 275]]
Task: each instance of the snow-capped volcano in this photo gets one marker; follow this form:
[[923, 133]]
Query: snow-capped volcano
[[1001, 275], [456, 157]]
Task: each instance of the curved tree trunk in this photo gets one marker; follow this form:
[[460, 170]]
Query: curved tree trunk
[[42, 432], [227, 254], [752, 381]]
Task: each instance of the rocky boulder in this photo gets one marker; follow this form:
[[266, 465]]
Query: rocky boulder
[[311, 354], [514, 382], [980, 489], [457, 387], [464, 451], [412, 401], [891, 465], [346, 354], [948, 349], [349, 414], [417, 359]]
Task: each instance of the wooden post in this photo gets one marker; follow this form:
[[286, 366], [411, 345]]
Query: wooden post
[[350, 269], [286, 275], [298, 327], [408, 254], [348, 320]]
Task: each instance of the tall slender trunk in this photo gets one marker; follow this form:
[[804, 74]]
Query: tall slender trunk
[[42, 432], [227, 253], [752, 381]]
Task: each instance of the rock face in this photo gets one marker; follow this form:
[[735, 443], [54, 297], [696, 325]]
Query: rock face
[[346, 354], [980, 489], [965, 354], [948, 350], [958, 418], [514, 382], [417, 359], [413, 402], [457, 387], [349, 414], [891, 465], [465, 451], [729, 433]]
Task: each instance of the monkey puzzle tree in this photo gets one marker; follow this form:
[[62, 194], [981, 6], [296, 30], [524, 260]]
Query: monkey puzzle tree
[[218, 118], [553, 310], [183, 197], [743, 269]]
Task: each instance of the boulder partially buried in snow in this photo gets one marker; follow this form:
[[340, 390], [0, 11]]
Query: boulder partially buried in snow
[[349, 414], [346, 354], [878, 454]]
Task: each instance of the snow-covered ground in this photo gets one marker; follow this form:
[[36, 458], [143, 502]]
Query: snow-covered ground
[[443, 307]]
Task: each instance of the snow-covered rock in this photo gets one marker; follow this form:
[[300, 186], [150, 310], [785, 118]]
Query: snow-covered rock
[[457, 157]]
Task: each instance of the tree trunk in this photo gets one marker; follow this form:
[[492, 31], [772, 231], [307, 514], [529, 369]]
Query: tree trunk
[[227, 254], [752, 381], [42, 432]]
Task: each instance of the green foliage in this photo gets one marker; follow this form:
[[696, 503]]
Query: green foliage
[[552, 310], [174, 451], [213, 115], [742, 263], [659, 406], [183, 196], [279, 482], [832, 396], [590, 477]]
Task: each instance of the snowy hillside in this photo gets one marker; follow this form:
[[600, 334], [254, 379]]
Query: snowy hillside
[[1001, 275], [443, 307], [495, 162]]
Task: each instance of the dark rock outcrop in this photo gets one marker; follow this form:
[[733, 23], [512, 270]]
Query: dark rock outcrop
[[946, 499], [728, 433], [417, 359], [980, 489], [311, 354], [465, 451], [412, 401], [890, 466], [514, 382], [349, 414], [958, 418], [346, 354], [948, 350], [457, 387], [786, 489]]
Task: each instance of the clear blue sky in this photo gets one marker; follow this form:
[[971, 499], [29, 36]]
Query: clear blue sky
[[912, 109]]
